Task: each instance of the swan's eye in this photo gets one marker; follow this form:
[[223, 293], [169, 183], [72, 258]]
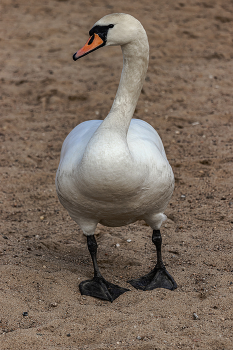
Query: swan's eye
[[111, 26], [91, 39]]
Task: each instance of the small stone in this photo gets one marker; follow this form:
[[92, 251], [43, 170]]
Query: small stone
[[117, 245], [183, 196], [25, 313], [53, 304], [195, 123], [129, 240], [210, 76], [42, 217], [195, 316], [68, 335], [138, 337]]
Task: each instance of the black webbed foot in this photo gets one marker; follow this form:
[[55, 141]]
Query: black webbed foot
[[98, 287], [157, 278]]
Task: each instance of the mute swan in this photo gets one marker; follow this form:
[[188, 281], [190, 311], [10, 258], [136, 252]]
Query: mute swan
[[115, 171]]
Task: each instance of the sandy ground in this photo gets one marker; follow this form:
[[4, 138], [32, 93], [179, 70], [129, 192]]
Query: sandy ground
[[187, 97]]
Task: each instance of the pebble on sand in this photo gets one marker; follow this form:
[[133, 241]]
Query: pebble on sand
[[53, 304]]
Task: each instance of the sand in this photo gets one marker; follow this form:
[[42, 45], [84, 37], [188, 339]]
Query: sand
[[187, 97]]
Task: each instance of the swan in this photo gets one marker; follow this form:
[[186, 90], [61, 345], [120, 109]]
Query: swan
[[115, 171]]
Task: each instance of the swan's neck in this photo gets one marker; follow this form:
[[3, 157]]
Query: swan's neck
[[135, 63]]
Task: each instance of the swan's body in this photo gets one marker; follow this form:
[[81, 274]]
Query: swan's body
[[112, 180], [115, 171]]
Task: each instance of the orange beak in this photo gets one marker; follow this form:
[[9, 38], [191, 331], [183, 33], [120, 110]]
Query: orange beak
[[93, 43]]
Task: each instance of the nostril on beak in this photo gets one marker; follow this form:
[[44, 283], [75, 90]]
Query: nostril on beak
[[91, 39]]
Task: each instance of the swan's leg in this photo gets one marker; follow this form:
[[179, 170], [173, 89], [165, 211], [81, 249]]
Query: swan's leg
[[98, 287], [158, 277]]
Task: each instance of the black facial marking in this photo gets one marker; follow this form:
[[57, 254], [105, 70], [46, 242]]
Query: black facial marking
[[91, 40], [102, 31]]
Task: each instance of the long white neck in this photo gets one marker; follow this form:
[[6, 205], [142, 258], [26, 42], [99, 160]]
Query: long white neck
[[135, 64]]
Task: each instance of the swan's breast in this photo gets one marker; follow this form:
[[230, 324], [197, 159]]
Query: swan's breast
[[107, 169]]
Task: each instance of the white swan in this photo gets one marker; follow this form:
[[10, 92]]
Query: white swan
[[115, 171]]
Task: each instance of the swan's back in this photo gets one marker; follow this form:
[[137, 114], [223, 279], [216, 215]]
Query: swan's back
[[140, 133]]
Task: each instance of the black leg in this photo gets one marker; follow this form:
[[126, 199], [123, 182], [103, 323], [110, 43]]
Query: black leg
[[92, 247], [158, 277], [98, 287], [157, 240]]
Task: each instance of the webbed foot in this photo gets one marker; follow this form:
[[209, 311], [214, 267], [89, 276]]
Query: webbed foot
[[157, 278], [98, 287]]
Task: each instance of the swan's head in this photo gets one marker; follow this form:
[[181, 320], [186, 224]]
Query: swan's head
[[114, 29]]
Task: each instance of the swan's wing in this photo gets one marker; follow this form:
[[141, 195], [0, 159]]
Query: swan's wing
[[142, 133], [75, 143]]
